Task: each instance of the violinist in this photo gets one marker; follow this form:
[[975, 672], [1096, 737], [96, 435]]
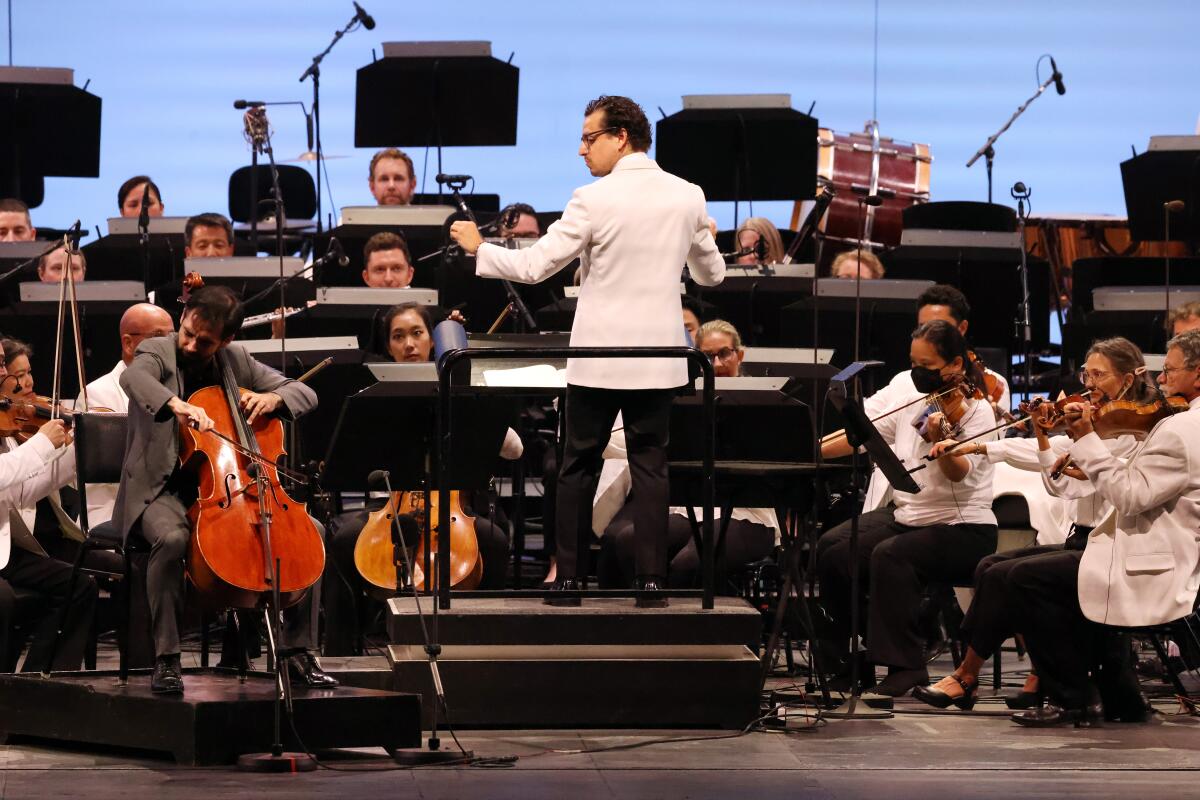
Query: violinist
[[1141, 564], [29, 472], [937, 302], [409, 339], [155, 493], [936, 536], [1114, 369]]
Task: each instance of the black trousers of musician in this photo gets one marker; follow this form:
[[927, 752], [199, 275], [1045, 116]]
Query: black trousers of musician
[[1062, 643], [165, 527], [48, 579], [345, 594], [646, 415], [897, 563], [989, 618], [745, 543]]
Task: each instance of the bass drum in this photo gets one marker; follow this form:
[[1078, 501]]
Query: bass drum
[[855, 164]]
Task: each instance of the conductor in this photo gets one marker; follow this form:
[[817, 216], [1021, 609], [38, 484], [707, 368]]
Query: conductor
[[632, 231]]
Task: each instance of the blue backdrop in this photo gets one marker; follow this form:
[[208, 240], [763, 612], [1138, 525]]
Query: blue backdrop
[[949, 74]]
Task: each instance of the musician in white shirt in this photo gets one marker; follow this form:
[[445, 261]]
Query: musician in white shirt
[[1114, 369], [633, 230], [1141, 565], [935, 536]]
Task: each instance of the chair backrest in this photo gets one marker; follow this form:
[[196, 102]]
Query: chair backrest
[[99, 446], [295, 184]]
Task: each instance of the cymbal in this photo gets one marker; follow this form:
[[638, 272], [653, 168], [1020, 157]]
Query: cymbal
[[308, 156]]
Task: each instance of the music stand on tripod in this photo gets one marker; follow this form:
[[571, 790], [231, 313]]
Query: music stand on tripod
[[861, 432]]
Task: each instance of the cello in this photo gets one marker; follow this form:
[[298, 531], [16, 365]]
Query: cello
[[375, 556], [248, 532]]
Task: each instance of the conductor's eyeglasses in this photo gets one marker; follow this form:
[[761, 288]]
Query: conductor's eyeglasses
[[589, 139]]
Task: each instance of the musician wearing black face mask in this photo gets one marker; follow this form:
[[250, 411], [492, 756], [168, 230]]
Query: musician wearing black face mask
[[936, 536]]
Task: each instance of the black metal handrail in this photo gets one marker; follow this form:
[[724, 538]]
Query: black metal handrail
[[444, 427]]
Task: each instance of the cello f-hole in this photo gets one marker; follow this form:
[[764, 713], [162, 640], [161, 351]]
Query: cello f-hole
[[229, 476]]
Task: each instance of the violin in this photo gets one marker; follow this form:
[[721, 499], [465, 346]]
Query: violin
[[951, 403], [1110, 418], [375, 555], [248, 532]]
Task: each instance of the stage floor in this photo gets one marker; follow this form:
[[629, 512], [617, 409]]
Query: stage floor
[[918, 752]]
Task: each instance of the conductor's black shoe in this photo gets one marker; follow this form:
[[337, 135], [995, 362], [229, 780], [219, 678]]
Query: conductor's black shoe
[[557, 587], [1050, 716], [650, 584], [305, 670], [168, 675]]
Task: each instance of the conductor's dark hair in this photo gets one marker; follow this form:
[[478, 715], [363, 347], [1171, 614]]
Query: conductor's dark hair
[[210, 219], [385, 326], [942, 294], [693, 305], [621, 112], [134, 182], [950, 344], [219, 306]]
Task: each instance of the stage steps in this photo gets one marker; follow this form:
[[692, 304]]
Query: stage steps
[[514, 662]]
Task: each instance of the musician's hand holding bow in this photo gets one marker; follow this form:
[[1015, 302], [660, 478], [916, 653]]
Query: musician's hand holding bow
[[56, 431], [466, 234], [190, 415], [256, 405], [939, 449], [1063, 467]]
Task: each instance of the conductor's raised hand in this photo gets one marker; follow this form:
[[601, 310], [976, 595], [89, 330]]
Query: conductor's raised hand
[[190, 415], [466, 234], [256, 405]]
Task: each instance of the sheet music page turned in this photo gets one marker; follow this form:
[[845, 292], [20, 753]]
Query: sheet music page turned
[[539, 375]]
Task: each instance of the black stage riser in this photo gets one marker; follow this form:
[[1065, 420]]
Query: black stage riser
[[216, 719], [581, 686]]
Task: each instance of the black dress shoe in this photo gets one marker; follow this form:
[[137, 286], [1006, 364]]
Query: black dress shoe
[[901, 681], [556, 588], [650, 583], [168, 675], [935, 697], [305, 670], [1050, 716], [1023, 700]]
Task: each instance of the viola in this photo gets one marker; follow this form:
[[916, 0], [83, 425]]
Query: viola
[[231, 558], [1110, 418], [375, 555]]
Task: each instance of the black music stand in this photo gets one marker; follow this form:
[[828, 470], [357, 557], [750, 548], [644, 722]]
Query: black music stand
[[860, 432], [50, 130], [1155, 178], [772, 152]]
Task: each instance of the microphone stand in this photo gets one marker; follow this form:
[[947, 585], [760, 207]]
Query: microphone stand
[[144, 235], [854, 707], [1024, 329], [524, 321], [988, 151], [314, 70], [433, 648]]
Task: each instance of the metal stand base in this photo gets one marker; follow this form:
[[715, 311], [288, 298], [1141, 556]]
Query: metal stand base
[[424, 757], [856, 708], [269, 762]]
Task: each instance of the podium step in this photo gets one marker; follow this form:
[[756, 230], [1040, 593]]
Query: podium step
[[514, 662]]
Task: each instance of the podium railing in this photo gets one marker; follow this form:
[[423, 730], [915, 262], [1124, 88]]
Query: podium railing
[[445, 433]]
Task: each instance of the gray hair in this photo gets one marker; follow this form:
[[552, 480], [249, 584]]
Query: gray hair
[[1188, 343]]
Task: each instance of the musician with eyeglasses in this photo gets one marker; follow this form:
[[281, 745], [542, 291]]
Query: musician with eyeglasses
[[1114, 369]]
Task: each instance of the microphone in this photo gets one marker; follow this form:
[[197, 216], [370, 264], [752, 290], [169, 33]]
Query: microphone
[[512, 216], [335, 254], [873, 200], [362, 16], [144, 212], [760, 249], [1057, 78], [444, 179], [1019, 190], [241, 104], [1174, 206], [380, 479]]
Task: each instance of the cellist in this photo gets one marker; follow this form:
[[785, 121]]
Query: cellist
[[155, 494]]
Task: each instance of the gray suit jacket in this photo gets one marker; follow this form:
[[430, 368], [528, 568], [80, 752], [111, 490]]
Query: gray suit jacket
[[152, 443]]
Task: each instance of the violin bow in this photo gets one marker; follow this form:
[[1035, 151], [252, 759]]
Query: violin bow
[[980, 435]]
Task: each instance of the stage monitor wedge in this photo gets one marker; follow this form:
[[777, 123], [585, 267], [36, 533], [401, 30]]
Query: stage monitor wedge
[[740, 148], [414, 97]]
